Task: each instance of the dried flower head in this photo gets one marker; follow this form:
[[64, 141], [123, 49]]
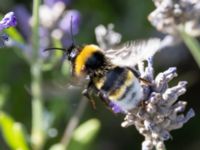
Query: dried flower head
[[107, 38], [169, 14], [159, 111]]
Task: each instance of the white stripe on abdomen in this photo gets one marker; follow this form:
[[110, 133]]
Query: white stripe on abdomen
[[132, 97]]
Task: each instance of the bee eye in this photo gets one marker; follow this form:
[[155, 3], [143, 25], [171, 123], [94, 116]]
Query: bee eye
[[73, 54]]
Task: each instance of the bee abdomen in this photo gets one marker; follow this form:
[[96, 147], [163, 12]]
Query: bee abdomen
[[131, 98], [121, 87], [114, 79]]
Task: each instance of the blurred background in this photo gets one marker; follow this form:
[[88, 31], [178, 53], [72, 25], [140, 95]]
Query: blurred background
[[130, 19]]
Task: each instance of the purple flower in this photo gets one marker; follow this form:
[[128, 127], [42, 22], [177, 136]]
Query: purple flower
[[65, 23], [44, 41], [23, 18], [3, 38], [50, 3], [9, 20], [115, 108]]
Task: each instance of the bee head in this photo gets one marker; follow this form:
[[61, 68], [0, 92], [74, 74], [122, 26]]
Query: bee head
[[70, 52], [88, 60], [85, 60]]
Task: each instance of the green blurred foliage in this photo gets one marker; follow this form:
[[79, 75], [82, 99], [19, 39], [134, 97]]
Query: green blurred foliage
[[12, 132], [84, 135], [130, 19], [14, 34]]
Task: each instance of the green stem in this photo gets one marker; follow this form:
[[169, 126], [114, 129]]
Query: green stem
[[35, 29], [73, 123], [192, 44], [37, 135]]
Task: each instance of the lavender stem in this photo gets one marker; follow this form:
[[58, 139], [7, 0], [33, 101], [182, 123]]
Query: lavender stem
[[73, 122], [37, 135], [192, 44]]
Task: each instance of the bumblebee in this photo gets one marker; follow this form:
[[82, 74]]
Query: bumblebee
[[111, 73]]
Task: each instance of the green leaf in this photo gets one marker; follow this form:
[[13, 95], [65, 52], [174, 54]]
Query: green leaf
[[4, 90], [192, 44], [84, 135], [19, 42], [82, 138], [58, 146], [12, 132], [14, 34]]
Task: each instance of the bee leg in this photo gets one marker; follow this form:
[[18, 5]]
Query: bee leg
[[104, 98], [86, 93], [135, 72], [137, 75], [143, 104], [145, 81]]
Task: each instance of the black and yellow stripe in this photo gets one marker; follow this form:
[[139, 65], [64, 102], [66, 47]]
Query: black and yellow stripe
[[120, 92], [115, 82], [81, 59], [121, 86]]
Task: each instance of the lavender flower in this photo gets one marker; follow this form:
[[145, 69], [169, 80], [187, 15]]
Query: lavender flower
[[70, 21], [9, 20], [170, 14], [51, 3], [65, 23], [54, 14], [107, 38], [55, 25], [160, 111], [23, 17]]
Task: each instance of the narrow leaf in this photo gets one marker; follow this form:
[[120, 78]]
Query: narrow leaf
[[12, 132]]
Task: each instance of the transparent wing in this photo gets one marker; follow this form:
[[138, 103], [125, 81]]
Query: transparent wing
[[130, 53]]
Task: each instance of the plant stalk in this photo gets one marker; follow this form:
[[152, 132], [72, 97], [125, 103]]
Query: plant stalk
[[73, 123], [37, 135], [192, 44]]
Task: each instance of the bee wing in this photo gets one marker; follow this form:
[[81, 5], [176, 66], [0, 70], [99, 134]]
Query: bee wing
[[130, 53]]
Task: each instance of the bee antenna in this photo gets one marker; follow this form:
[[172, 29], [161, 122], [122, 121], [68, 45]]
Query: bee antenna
[[55, 48], [68, 50], [71, 30]]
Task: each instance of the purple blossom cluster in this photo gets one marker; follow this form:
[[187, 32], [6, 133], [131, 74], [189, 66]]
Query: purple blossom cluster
[[55, 24], [9, 20], [50, 3]]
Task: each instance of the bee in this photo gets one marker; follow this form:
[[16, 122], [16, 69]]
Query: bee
[[111, 73]]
